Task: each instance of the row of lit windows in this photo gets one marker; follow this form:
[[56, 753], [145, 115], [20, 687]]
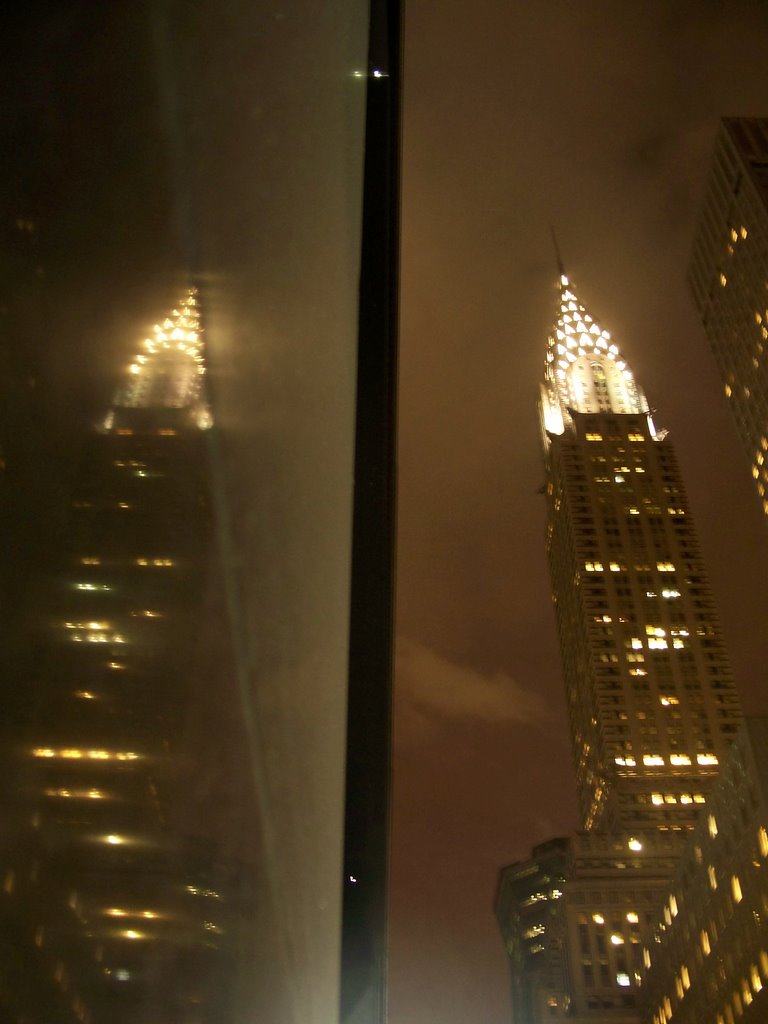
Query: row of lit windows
[[163, 563], [594, 436], [658, 799], [74, 753], [621, 567], [656, 760], [164, 432]]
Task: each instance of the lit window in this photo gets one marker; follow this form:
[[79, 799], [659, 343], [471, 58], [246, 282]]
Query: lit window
[[705, 946], [762, 841], [736, 888], [635, 844], [617, 940], [712, 825], [594, 437], [668, 699], [746, 992], [712, 876], [653, 759], [728, 391], [723, 280], [706, 759], [632, 917], [657, 799], [598, 919], [622, 978], [113, 840], [679, 759]]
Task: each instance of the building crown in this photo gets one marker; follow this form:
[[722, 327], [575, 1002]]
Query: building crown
[[169, 370], [584, 370]]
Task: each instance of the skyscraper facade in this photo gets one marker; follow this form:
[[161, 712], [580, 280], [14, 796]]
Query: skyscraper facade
[[728, 276], [707, 958], [651, 701], [117, 902]]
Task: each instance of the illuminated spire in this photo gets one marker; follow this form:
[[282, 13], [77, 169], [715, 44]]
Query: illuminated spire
[[584, 370], [169, 370]]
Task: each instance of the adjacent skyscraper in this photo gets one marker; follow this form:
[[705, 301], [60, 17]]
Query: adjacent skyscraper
[[728, 276], [708, 955], [650, 697]]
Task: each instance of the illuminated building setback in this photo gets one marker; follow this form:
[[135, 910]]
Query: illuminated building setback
[[119, 915], [728, 277]]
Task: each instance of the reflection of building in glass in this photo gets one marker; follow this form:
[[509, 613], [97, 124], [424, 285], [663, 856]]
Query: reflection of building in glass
[[651, 702], [708, 954], [115, 912], [728, 276]]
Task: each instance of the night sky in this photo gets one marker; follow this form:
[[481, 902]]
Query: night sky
[[597, 118]]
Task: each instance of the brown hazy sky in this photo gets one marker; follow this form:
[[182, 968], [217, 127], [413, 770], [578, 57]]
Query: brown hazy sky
[[599, 118]]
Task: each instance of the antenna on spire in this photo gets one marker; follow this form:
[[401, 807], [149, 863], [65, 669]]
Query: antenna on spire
[[558, 257]]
